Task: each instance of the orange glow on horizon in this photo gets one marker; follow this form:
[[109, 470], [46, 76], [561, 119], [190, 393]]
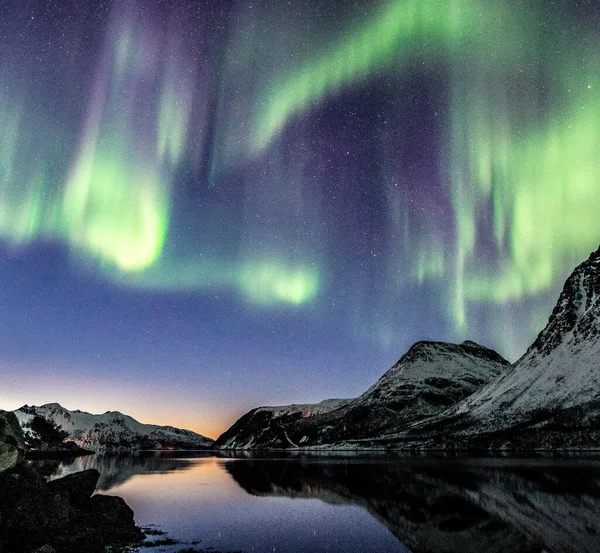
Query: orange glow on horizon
[[165, 407]]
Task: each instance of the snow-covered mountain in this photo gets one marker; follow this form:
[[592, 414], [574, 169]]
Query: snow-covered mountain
[[466, 396], [551, 396], [561, 369], [431, 376], [111, 430], [428, 378]]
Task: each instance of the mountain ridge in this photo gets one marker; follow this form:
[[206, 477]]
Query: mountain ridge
[[549, 398], [412, 388]]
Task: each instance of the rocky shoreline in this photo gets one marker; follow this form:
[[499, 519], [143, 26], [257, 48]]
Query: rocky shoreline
[[60, 516]]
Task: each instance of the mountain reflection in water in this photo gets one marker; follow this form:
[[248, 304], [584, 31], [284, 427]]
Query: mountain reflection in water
[[460, 505], [116, 468], [450, 505]]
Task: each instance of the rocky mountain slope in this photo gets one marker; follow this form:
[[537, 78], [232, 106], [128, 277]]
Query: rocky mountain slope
[[561, 369], [265, 426], [111, 430], [428, 378], [551, 396]]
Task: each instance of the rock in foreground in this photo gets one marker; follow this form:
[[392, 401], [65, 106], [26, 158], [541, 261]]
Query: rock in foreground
[[61, 515], [11, 441]]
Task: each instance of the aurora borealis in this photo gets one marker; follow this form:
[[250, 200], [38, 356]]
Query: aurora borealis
[[215, 205]]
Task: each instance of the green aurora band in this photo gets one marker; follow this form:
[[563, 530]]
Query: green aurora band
[[402, 31], [114, 208], [530, 159], [539, 173]]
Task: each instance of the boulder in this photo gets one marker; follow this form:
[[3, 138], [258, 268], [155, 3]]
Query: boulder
[[29, 512], [9, 456], [60, 515], [79, 487], [11, 440], [114, 517], [10, 430], [106, 520]]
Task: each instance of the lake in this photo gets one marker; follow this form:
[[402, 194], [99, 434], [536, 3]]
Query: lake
[[349, 503]]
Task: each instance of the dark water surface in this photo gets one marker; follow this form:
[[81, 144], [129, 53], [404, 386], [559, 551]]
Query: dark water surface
[[351, 503]]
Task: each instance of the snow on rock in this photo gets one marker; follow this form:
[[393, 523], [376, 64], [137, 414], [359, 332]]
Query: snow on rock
[[111, 430]]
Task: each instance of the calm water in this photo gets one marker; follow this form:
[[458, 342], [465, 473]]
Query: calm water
[[352, 504]]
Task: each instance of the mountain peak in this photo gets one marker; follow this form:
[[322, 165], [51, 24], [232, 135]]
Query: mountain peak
[[470, 343], [425, 348], [577, 312], [595, 256], [429, 350], [56, 406]]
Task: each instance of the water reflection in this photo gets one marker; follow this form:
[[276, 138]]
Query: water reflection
[[459, 505], [450, 505], [116, 468]]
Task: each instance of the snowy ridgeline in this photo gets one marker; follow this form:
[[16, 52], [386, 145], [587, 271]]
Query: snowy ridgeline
[[448, 396], [110, 431], [437, 396]]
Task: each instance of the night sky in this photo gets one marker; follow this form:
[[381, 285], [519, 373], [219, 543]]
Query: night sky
[[207, 206]]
